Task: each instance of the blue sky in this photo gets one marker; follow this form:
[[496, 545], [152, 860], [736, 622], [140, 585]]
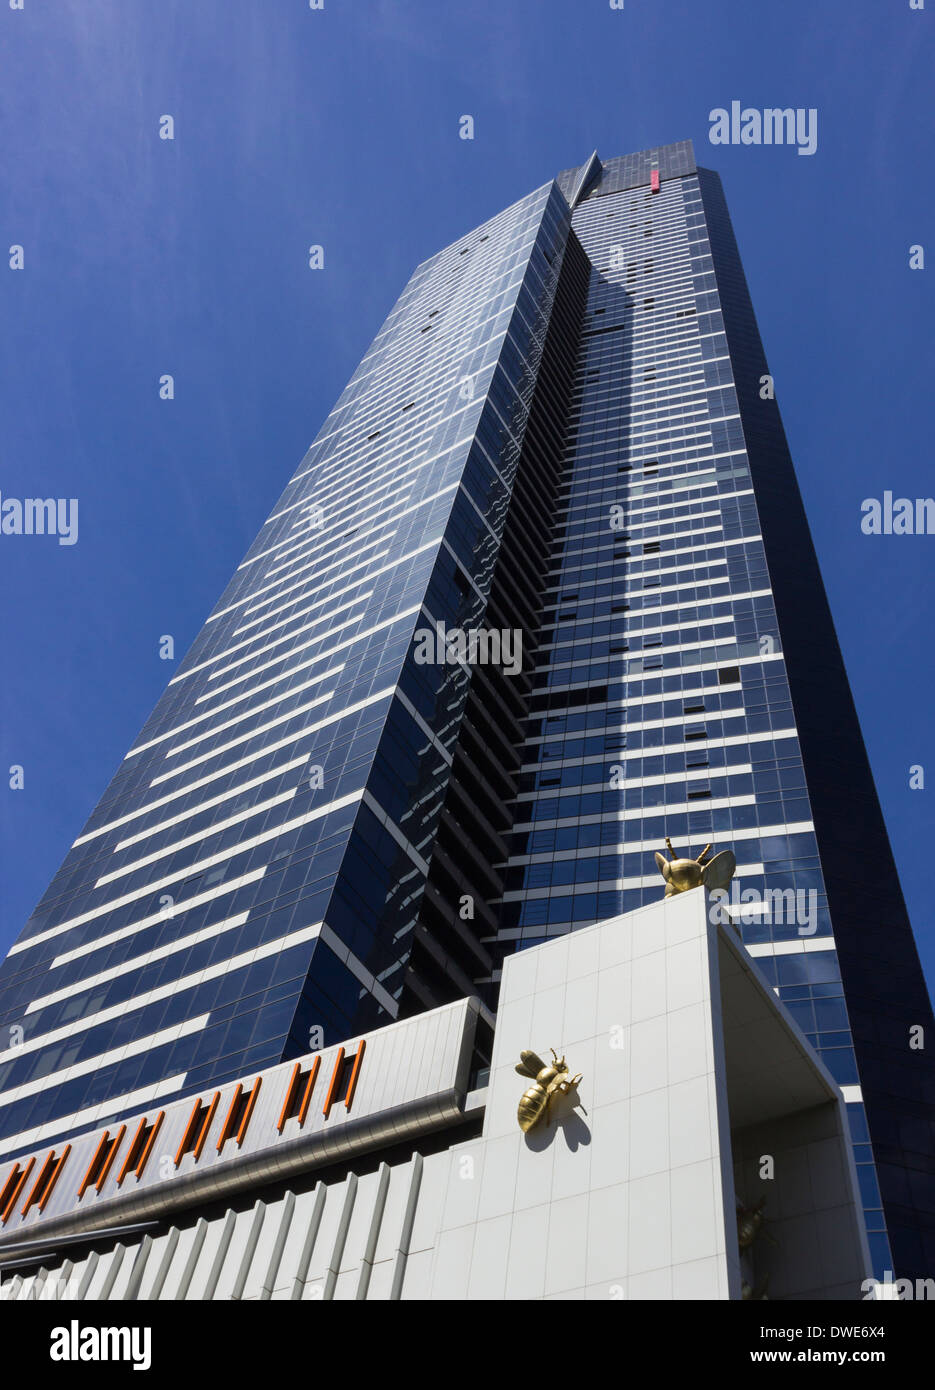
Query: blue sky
[[339, 127]]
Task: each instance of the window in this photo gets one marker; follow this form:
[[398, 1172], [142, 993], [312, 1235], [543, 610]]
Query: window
[[12, 1188], [652, 547], [693, 709], [48, 1176], [298, 1094], [196, 1131], [141, 1146], [238, 1113], [700, 794], [343, 1079], [354, 1076], [100, 1164], [728, 675], [338, 1078], [695, 731]]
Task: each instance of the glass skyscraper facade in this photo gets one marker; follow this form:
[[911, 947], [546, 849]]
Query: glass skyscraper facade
[[563, 432]]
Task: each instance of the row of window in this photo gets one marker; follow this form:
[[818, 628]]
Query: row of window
[[341, 1088]]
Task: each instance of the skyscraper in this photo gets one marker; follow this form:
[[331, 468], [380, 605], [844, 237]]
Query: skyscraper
[[564, 438]]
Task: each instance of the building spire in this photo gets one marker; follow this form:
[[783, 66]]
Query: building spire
[[589, 176]]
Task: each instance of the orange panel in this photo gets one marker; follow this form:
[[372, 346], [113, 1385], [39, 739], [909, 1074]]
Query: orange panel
[[130, 1151], [97, 1153], [54, 1178], [108, 1161], [17, 1188], [8, 1186], [206, 1126], [149, 1143], [332, 1089], [189, 1131], [309, 1087], [290, 1096], [355, 1072], [249, 1110], [40, 1182], [227, 1127]]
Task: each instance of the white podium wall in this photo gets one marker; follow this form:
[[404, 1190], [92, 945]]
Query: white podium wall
[[630, 1192], [693, 1074]]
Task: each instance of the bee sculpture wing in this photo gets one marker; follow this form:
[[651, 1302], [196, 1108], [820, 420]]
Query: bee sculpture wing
[[663, 866], [530, 1064], [719, 871]]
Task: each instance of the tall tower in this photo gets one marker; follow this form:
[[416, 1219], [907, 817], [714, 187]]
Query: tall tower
[[342, 812]]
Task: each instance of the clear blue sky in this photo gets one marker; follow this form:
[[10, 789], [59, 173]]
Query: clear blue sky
[[340, 127]]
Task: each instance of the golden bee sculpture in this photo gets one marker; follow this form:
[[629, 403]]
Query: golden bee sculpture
[[548, 1079], [683, 874]]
